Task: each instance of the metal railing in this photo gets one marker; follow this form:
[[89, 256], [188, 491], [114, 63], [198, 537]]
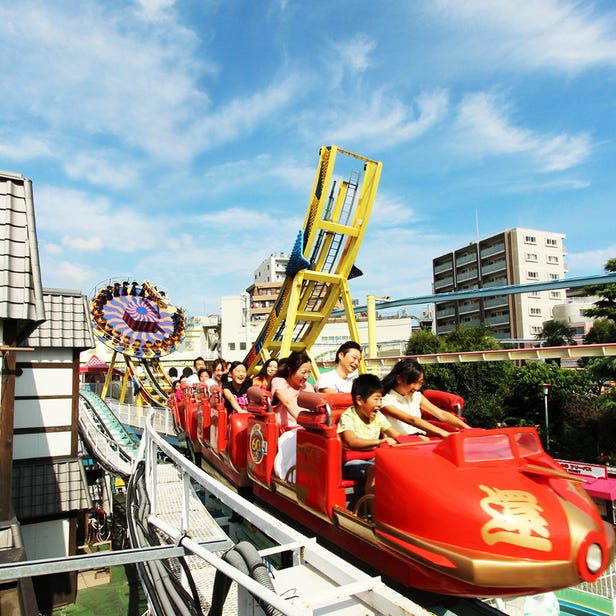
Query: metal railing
[[135, 416]]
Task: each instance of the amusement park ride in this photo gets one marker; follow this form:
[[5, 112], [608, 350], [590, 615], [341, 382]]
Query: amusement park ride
[[482, 513]]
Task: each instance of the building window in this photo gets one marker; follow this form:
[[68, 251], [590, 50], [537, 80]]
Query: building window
[[535, 311], [530, 239], [231, 346], [551, 242], [554, 294], [534, 294], [532, 275], [242, 346], [552, 259], [554, 276], [531, 256], [535, 329]]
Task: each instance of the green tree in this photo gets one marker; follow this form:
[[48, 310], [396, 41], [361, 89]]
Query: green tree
[[606, 306], [481, 384], [556, 333], [477, 338], [603, 330], [569, 389], [424, 342]]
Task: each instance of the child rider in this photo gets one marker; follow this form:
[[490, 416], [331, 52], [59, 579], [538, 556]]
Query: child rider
[[362, 427]]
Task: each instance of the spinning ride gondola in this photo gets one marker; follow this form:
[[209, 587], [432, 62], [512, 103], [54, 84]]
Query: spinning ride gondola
[[138, 321]]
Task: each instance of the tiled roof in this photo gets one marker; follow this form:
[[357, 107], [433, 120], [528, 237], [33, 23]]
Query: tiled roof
[[42, 488], [68, 322], [21, 297]]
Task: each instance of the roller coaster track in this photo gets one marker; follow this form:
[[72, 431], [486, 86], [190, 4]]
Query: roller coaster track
[[322, 260], [104, 435], [154, 385]]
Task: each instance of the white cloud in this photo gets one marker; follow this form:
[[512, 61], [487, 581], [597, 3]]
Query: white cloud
[[63, 214], [484, 128], [141, 84], [591, 261], [242, 115], [25, 147], [66, 275], [386, 121], [154, 10], [389, 211], [100, 168], [352, 58], [88, 244], [555, 34]]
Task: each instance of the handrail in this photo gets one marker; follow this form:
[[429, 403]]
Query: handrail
[[351, 581]]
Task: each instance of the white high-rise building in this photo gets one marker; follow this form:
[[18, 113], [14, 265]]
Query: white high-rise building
[[516, 256]]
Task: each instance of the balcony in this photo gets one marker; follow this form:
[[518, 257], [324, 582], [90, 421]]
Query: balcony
[[501, 319], [499, 282], [494, 267], [470, 275], [496, 302], [466, 308], [443, 282], [443, 267], [492, 250], [467, 258], [447, 312]]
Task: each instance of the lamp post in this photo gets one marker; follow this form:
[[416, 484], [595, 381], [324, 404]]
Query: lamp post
[[546, 388]]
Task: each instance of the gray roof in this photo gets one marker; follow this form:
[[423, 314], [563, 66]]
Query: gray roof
[[68, 322], [42, 488], [21, 296]]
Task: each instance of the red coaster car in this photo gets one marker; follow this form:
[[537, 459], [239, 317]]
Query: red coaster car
[[481, 513]]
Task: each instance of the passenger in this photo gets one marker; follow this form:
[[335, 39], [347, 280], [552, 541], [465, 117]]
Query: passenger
[[177, 391], [266, 374], [219, 368], [236, 388], [198, 363], [403, 402], [203, 375], [340, 379], [290, 380], [187, 372], [362, 427]]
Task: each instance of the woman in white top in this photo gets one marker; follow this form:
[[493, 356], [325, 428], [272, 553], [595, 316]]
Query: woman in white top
[[403, 402]]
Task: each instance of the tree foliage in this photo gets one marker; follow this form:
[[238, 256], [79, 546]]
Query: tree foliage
[[582, 420], [424, 342], [606, 306], [556, 333]]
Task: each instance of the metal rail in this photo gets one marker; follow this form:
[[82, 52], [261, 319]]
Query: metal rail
[[537, 353]]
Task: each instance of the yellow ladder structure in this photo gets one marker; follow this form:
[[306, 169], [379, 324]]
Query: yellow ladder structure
[[322, 259]]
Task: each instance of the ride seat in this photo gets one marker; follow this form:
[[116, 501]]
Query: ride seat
[[319, 452], [263, 432]]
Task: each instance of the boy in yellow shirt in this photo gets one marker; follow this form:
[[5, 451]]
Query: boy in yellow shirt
[[362, 427]]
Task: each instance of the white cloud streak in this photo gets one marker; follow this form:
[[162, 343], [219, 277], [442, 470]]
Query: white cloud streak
[[484, 128], [561, 35]]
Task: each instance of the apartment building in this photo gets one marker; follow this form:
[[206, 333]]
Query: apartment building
[[268, 279], [515, 256]]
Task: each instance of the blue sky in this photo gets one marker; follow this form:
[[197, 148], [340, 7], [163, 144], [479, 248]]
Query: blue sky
[[178, 141]]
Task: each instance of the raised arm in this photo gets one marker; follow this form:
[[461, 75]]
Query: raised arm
[[393, 411], [441, 415], [285, 398], [232, 401]]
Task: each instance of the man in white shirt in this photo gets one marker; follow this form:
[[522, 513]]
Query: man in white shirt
[[340, 379]]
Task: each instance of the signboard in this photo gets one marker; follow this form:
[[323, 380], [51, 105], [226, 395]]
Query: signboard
[[596, 471]]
